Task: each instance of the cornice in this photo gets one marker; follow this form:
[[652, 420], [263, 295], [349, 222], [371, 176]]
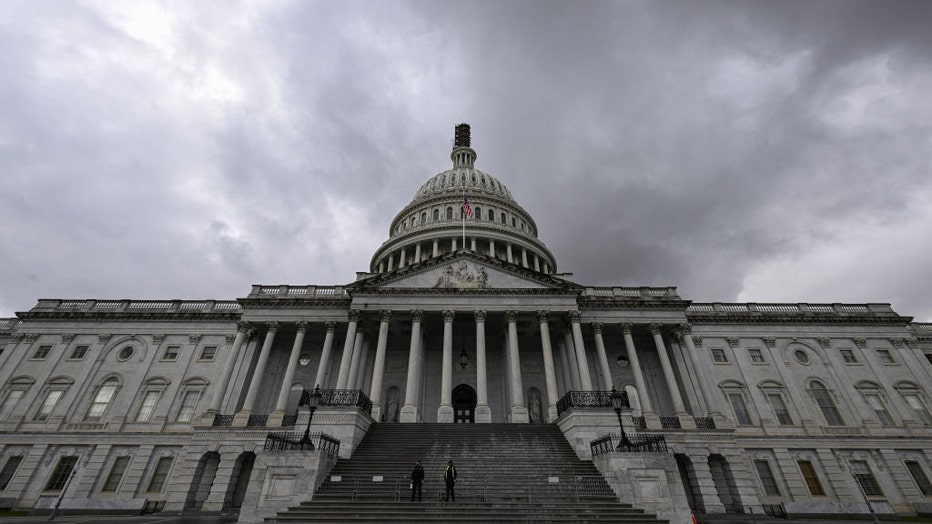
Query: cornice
[[143, 316], [295, 302], [591, 303], [738, 318]]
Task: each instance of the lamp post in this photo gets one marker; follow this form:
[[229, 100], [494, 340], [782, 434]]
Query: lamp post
[[619, 403], [312, 402]]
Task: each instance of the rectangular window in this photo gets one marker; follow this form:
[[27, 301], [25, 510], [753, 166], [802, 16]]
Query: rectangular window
[[919, 408], [914, 469], [171, 353], [848, 356], [10, 402], [42, 352], [61, 473], [157, 482], [718, 355], [101, 401], [741, 410], [757, 357], [862, 473], [811, 478], [767, 480], [48, 405], [208, 352], [188, 403], [880, 409], [148, 406], [885, 356], [779, 409], [78, 352], [6, 474], [116, 474]]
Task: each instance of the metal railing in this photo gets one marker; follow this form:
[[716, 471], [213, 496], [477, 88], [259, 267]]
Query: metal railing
[[257, 421], [296, 441], [705, 423], [670, 423], [637, 443], [573, 488], [340, 397], [588, 399], [223, 421]]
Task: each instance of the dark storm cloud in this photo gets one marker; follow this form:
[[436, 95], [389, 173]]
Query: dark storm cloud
[[771, 151]]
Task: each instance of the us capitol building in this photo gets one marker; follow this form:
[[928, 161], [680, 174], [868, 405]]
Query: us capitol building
[[144, 405]]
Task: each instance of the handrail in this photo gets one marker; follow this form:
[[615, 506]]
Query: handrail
[[589, 399], [298, 441]]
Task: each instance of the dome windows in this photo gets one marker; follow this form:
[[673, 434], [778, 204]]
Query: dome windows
[[449, 213], [503, 218], [491, 215], [478, 213], [423, 218], [436, 215]]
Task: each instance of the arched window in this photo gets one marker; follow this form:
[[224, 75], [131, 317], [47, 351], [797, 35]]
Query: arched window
[[874, 397], [826, 403], [436, 215], [916, 400], [491, 215], [423, 218], [449, 213], [102, 399], [736, 394], [478, 213], [503, 218], [514, 222]]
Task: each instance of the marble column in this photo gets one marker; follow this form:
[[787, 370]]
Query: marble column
[[324, 364], [436, 249], [402, 262], [227, 374], [241, 419], [708, 394], [409, 412], [635, 364], [549, 373], [445, 411], [511, 259], [357, 357], [536, 264], [571, 358], [276, 417], [519, 411], [657, 331], [362, 372], [607, 381], [524, 257], [346, 358], [378, 368], [585, 379], [563, 378], [417, 253], [483, 411], [492, 248]]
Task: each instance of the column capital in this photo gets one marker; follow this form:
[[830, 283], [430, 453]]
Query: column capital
[[573, 315], [511, 316], [353, 315], [480, 315], [157, 338], [242, 326], [302, 326], [684, 329], [543, 315], [625, 327], [448, 315], [417, 315], [385, 315], [597, 327], [272, 326], [655, 328], [331, 326]]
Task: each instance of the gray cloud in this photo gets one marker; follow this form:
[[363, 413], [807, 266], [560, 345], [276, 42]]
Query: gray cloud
[[742, 151]]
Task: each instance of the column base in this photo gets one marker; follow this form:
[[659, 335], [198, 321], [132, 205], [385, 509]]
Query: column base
[[241, 419], [652, 422], [206, 420], [519, 415], [408, 413], [483, 414], [445, 414], [686, 421], [551, 413], [377, 412], [275, 419]]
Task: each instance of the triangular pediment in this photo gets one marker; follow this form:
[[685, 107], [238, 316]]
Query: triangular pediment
[[464, 270]]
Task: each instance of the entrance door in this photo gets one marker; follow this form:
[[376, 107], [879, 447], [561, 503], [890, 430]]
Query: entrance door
[[464, 404]]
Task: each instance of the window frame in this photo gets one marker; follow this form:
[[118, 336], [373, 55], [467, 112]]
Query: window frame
[[811, 478], [756, 356], [58, 478], [168, 356], [922, 480], [181, 416], [718, 352], [866, 480], [845, 353], [160, 476], [104, 394], [151, 409], [45, 349], [770, 481], [206, 355], [114, 477], [43, 415], [784, 417], [886, 357], [739, 395], [7, 407], [826, 403], [9, 470]]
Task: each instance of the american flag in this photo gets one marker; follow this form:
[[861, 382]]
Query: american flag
[[467, 209]]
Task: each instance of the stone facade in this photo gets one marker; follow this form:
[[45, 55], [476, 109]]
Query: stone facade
[[121, 405]]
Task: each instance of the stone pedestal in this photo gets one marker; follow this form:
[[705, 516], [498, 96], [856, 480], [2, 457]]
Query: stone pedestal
[[282, 479], [551, 414], [445, 414], [483, 414], [408, 413], [241, 419], [519, 415], [582, 426], [648, 481], [275, 419]]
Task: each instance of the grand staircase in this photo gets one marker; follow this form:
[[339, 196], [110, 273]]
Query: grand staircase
[[507, 473]]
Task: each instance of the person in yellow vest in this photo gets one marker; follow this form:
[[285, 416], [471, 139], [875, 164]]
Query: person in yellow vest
[[449, 476]]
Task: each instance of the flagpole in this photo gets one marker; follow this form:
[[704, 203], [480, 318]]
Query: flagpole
[[463, 212]]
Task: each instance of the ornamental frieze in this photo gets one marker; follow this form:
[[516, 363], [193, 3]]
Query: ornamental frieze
[[463, 276]]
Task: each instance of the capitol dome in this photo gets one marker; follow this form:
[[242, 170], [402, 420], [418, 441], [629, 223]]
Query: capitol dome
[[432, 224]]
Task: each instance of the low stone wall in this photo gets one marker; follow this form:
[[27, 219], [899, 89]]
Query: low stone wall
[[649, 481], [281, 479]]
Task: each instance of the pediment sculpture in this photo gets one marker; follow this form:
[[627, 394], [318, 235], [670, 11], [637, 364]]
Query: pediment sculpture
[[462, 276]]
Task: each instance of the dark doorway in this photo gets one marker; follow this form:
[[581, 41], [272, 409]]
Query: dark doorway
[[203, 480], [239, 481], [464, 404]]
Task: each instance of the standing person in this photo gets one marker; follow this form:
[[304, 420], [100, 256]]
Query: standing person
[[449, 476], [417, 478]]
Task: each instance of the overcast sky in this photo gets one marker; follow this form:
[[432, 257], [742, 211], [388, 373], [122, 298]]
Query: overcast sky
[[741, 151]]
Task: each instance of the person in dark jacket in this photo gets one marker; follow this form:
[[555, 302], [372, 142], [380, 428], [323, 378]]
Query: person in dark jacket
[[417, 478], [449, 476]]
